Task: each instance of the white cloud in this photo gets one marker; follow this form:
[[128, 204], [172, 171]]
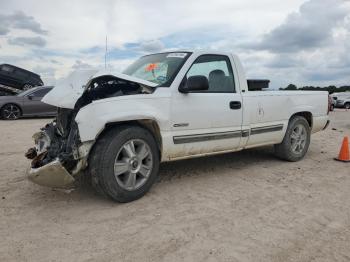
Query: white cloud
[[152, 46], [76, 30], [31, 41], [311, 27], [81, 65], [19, 20], [81, 24]]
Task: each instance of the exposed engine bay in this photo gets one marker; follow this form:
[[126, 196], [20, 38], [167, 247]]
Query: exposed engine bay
[[59, 140], [109, 86]]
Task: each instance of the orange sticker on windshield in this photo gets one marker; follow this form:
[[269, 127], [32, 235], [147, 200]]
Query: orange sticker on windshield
[[151, 67]]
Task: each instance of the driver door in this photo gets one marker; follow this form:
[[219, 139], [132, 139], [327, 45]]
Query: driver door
[[207, 121]]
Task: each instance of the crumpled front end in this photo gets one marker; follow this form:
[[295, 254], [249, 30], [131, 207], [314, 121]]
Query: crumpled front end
[[58, 155]]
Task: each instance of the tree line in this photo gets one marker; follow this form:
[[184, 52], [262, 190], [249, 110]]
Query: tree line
[[330, 89]]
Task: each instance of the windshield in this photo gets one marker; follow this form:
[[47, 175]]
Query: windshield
[[158, 68]]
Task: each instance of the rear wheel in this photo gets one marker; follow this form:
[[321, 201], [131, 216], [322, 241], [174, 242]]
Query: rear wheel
[[124, 163], [296, 140], [10, 112], [347, 105]]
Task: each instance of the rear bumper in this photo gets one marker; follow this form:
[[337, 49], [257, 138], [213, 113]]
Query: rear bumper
[[319, 123], [52, 175]]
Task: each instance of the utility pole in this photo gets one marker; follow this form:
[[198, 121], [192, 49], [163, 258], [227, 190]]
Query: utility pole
[[106, 55]]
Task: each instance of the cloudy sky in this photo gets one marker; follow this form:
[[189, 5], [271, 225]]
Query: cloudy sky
[[290, 41]]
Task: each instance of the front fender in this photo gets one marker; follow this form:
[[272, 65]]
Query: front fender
[[92, 118]]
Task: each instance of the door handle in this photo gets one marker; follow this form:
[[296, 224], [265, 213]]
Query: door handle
[[235, 105]]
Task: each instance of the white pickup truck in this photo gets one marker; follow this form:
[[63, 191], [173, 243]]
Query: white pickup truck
[[117, 128]]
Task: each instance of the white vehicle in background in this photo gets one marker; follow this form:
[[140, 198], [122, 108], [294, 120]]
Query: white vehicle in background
[[117, 128], [342, 100]]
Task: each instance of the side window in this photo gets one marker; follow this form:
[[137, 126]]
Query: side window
[[41, 92], [217, 69], [21, 74]]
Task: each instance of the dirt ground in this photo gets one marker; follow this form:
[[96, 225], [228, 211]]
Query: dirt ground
[[245, 206]]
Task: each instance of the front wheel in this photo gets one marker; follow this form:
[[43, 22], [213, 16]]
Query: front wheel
[[124, 163], [347, 105], [10, 112], [296, 140]]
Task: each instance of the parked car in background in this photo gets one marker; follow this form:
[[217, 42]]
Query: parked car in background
[[342, 100], [27, 103], [18, 78]]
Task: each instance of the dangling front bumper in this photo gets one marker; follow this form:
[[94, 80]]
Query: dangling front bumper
[[51, 166], [52, 174]]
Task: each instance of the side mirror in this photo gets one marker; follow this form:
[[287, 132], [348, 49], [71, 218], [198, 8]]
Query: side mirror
[[30, 97], [195, 83]]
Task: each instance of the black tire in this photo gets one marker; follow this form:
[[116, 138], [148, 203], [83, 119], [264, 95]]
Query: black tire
[[284, 150], [347, 106], [10, 112], [103, 156]]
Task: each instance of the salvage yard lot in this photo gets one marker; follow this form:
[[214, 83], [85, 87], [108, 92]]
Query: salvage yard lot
[[244, 206]]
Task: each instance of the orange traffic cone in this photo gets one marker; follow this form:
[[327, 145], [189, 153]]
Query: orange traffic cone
[[344, 151]]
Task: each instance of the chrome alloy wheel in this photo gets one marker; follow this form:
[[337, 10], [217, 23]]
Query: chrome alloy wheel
[[11, 112], [133, 164], [298, 139]]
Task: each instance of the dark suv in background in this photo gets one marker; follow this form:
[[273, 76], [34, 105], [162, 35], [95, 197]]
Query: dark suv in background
[[18, 78]]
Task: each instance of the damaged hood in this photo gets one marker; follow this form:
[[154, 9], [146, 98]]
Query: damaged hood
[[68, 90]]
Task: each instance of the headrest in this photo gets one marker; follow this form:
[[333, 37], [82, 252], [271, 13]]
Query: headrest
[[216, 73]]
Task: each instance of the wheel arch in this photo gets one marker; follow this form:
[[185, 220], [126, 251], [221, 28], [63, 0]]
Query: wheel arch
[[149, 124], [306, 114]]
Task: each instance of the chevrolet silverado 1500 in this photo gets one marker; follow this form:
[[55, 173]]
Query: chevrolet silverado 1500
[[117, 128]]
